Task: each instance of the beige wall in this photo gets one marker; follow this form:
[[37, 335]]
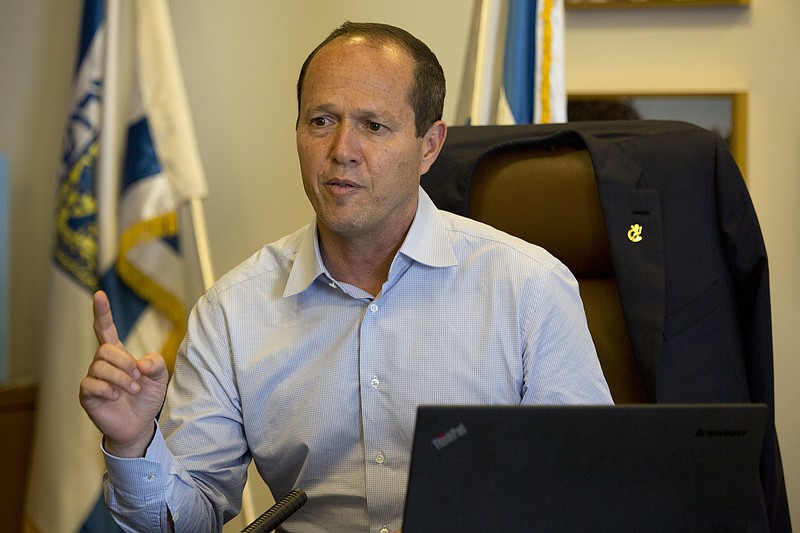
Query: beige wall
[[240, 60]]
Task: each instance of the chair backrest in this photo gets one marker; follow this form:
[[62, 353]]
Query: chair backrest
[[549, 197]]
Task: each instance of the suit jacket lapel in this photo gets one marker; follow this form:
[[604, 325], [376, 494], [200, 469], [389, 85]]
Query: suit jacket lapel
[[635, 234]]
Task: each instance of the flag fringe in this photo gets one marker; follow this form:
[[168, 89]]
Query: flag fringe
[[145, 287], [547, 61]]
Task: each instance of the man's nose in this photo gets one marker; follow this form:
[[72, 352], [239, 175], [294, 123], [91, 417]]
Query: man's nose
[[346, 146]]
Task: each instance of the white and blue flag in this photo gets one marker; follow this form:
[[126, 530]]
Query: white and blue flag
[[129, 161], [514, 72]]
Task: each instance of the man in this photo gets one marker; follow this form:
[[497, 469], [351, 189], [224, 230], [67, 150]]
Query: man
[[312, 356]]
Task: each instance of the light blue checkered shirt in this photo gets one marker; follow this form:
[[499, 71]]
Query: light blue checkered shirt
[[319, 383]]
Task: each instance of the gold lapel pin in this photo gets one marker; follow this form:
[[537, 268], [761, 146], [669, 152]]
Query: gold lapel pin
[[635, 233]]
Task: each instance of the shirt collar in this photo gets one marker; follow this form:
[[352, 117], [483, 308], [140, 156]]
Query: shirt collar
[[427, 242], [307, 265]]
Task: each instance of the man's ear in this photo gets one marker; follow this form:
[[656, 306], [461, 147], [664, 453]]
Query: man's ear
[[432, 145]]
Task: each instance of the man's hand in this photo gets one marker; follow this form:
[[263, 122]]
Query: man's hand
[[122, 395]]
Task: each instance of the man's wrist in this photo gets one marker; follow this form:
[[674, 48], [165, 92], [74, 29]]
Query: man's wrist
[[132, 450]]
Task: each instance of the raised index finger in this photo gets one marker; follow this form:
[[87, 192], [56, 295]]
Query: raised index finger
[[104, 328]]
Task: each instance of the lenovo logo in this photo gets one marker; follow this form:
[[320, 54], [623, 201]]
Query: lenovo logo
[[720, 432]]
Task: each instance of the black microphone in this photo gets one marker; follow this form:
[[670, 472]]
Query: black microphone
[[275, 515]]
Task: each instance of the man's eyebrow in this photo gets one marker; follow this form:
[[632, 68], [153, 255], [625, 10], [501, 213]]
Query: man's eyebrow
[[326, 108], [384, 116], [377, 116]]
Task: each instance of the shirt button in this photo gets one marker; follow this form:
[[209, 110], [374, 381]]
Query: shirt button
[[380, 458], [373, 307], [375, 382], [176, 517], [151, 476]]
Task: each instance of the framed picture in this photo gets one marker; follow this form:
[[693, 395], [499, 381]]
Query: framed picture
[[589, 4], [724, 113]]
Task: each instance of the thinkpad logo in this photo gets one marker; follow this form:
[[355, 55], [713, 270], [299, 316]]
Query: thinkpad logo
[[449, 437]]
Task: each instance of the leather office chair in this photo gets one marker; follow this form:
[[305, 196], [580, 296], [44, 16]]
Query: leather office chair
[[678, 313], [549, 197]]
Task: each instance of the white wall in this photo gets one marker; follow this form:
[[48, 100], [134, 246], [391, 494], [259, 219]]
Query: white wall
[[240, 60]]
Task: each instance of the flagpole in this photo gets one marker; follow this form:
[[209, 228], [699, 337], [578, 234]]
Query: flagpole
[[484, 86], [107, 162], [201, 242]]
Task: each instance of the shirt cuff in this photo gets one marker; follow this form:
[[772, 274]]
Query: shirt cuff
[[140, 475]]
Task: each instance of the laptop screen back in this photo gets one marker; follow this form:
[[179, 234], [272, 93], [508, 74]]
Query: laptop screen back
[[584, 468]]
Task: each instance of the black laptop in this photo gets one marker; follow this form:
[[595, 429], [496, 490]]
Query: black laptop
[[652, 467]]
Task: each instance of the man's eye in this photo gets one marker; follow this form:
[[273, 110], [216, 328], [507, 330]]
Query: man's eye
[[319, 121], [374, 126]]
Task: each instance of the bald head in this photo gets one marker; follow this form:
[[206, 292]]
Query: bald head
[[427, 91]]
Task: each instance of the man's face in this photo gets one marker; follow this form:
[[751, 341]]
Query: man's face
[[359, 154]]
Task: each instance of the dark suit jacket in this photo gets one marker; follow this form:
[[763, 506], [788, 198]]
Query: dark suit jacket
[[695, 290]]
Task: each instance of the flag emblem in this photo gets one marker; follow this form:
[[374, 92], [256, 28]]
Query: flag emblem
[[75, 248]]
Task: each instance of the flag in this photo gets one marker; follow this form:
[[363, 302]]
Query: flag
[[129, 160], [514, 72]]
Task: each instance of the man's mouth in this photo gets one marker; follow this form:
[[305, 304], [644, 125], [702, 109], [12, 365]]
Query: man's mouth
[[342, 185]]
